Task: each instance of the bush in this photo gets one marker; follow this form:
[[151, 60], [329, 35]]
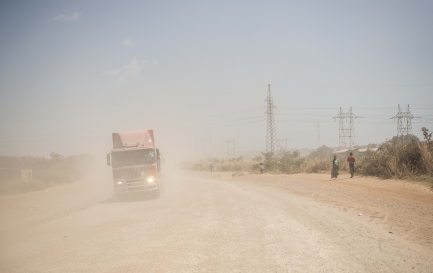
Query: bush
[[46, 171], [280, 162], [319, 160], [401, 157], [236, 164], [317, 165]]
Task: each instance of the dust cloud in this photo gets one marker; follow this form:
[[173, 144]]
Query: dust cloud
[[239, 96]]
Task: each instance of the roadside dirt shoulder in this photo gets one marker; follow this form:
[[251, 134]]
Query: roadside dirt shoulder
[[25, 209], [402, 208]]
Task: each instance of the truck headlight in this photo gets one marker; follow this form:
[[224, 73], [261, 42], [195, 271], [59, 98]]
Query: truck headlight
[[120, 182], [150, 179]]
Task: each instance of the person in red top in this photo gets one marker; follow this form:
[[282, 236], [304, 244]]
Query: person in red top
[[351, 160]]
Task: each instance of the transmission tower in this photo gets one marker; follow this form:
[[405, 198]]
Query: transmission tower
[[346, 128], [271, 136], [404, 121]]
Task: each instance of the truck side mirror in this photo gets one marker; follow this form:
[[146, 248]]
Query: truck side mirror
[[108, 159]]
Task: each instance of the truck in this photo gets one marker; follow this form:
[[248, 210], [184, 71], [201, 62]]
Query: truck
[[135, 163]]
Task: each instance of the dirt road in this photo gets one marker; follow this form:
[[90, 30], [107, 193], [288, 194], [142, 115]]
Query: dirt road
[[252, 223]]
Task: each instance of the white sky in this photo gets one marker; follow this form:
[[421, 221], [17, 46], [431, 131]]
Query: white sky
[[72, 72]]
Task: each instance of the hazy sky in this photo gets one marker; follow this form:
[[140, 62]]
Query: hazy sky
[[72, 72]]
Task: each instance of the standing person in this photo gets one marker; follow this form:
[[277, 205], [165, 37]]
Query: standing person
[[351, 160], [211, 168], [262, 167], [335, 167]]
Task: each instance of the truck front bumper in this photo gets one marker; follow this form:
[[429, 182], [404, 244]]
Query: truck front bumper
[[136, 186]]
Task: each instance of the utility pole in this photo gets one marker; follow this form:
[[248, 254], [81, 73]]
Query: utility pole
[[404, 121], [271, 136], [346, 128], [318, 133]]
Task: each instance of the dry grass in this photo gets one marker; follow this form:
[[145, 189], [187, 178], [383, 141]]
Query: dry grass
[[47, 172], [401, 157], [237, 164]]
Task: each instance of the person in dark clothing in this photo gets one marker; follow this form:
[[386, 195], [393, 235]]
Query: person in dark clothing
[[262, 167], [351, 160], [335, 167]]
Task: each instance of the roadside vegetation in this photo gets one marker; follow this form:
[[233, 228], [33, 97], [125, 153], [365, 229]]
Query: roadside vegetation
[[403, 157], [22, 174], [282, 162]]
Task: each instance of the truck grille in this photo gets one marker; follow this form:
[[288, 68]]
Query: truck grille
[[128, 173]]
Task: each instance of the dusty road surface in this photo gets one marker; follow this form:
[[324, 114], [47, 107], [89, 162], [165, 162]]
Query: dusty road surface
[[220, 223]]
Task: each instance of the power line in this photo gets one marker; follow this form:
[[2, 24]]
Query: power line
[[419, 106]]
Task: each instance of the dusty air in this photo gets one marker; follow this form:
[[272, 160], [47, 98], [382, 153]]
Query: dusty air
[[225, 136]]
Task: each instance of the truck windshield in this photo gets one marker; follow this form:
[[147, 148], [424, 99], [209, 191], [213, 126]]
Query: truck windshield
[[135, 157]]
